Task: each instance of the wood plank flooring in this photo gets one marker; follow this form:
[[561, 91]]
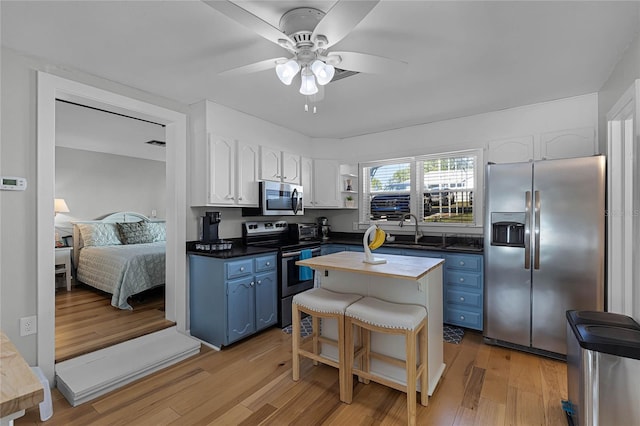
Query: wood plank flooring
[[250, 383], [86, 321]]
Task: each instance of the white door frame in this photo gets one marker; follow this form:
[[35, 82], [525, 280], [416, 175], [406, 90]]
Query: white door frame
[[50, 88], [623, 203]]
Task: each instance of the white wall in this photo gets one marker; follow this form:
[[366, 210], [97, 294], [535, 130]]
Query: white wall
[[473, 132], [94, 184], [18, 209]]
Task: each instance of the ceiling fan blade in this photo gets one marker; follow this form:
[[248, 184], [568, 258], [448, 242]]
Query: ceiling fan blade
[[255, 67], [251, 21], [341, 19], [362, 62]]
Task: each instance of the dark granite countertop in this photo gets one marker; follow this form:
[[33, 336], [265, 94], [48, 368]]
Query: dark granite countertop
[[452, 244], [237, 250]]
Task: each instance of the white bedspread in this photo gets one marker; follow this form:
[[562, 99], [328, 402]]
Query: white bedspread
[[122, 270]]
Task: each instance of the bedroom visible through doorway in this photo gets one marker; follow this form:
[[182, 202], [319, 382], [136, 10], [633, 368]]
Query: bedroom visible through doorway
[[104, 164]]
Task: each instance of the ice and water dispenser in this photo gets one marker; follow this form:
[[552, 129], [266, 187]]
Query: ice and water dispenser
[[507, 229]]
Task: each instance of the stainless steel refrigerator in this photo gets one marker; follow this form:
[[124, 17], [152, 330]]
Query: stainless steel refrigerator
[[544, 249]]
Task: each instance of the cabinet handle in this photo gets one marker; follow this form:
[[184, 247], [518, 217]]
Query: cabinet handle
[[461, 317], [461, 298], [239, 198], [259, 282], [284, 177], [242, 269], [461, 263], [252, 284], [461, 280], [268, 263]]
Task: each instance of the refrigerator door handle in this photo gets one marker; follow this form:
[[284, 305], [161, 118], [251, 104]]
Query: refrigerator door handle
[[527, 230], [536, 248]]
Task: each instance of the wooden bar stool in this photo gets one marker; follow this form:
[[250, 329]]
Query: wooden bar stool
[[371, 314], [320, 303]]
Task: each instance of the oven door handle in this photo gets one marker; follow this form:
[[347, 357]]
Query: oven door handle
[[297, 253]]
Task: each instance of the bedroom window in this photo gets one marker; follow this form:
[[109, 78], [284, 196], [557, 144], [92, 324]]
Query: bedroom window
[[438, 189]]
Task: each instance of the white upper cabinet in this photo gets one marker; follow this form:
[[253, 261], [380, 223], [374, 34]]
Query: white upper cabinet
[[279, 166], [514, 150], [222, 182], [233, 172], [306, 177], [568, 143], [321, 183], [248, 162]]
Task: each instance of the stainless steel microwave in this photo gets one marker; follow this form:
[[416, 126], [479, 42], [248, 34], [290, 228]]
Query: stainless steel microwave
[[277, 199]]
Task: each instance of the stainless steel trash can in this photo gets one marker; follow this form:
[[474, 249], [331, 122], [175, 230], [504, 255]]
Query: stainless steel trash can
[[603, 369]]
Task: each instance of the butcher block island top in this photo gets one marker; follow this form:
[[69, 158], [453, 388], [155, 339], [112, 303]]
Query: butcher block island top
[[19, 387], [403, 267]]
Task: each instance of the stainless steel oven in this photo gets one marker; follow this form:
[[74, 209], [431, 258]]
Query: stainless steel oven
[[294, 279]]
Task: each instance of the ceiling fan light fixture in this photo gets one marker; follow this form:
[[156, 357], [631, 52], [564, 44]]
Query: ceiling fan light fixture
[[323, 72], [308, 86], [287, 71]]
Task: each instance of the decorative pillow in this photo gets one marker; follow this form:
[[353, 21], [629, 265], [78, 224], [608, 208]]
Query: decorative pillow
[[158, 231], [134, 232], [99, 234]]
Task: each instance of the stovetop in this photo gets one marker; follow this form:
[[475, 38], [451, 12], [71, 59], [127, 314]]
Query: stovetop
[[273, 234]]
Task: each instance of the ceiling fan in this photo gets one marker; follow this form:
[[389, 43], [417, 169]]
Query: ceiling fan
[[307, 34]]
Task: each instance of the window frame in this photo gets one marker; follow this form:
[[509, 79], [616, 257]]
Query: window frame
[[417, 189]]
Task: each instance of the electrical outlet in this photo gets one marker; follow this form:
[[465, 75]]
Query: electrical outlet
[[28, 325], [355, 226]]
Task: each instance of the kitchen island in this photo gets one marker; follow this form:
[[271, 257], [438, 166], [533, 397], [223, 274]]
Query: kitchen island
[[402, 279]]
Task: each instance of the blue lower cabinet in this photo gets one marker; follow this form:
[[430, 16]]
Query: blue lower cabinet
[[223, 309], [463, 290], [266, 300], [241, 305], [332, 248]]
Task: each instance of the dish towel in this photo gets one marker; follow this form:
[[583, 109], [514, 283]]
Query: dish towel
[[304, 272]]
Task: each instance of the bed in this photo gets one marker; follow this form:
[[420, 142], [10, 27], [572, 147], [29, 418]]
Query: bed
[[122, 254]]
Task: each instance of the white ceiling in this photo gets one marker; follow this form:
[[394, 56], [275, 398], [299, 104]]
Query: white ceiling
[[89, 129], [464, 57]]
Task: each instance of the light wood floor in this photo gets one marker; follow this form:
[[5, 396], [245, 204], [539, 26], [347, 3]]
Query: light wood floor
[[250, 383], [86, 321]]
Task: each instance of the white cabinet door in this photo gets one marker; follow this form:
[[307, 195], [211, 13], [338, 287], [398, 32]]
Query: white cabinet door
[[290, 168], [568, 143], [270, 164], [248, 160], [326, 178], [221, 170], [514, 150], [306, 175]]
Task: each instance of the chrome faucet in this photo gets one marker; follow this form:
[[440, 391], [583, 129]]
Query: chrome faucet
[[417, 233]]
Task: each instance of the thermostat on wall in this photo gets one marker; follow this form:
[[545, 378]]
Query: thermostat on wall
[[12, 183]]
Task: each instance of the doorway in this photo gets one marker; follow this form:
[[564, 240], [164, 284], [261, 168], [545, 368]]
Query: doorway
[[50, 88]]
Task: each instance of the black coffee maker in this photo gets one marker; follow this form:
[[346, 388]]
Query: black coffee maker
[[210, 222]]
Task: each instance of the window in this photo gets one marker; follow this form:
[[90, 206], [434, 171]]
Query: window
[[438, 189]]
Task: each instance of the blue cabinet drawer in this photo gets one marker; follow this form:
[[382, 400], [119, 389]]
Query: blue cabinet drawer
[[464, 298], [463, 279], [239, 268], [463, 318], [464, 261], [265, 263]]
